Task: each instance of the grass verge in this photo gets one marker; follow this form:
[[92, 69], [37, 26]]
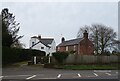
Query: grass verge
[[87, 67]]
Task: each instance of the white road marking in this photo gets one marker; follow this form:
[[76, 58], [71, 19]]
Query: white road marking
[[1, 77], [59, 76], [116, 72], [67, 73], [79, 75], [102, 70], [95, 74], [47, 78], [108, 74], [31, 77], [15, 75]]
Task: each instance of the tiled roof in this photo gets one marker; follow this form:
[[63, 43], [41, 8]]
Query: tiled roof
[[70, 42]]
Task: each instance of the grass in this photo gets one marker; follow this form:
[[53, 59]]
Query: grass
[[87, 67], [18, 64], [22, 64]]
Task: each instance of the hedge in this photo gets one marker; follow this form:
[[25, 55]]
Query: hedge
[[13, 55], [60, 56]]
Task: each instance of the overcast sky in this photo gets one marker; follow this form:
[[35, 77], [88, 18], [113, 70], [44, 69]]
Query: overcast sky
[[51, 19]]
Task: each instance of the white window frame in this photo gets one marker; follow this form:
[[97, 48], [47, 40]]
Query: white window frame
[[66, 48], [74, 47]]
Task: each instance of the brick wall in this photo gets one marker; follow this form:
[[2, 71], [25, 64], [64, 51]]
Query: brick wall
[[86, 47]]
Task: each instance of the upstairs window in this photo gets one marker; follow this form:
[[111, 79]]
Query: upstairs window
[[42, 47], [33, 43]]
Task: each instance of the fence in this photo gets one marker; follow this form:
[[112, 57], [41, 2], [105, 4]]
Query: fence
[[89, 59]]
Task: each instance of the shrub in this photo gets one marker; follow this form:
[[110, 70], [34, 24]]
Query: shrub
[[12, 55], [60, 56]]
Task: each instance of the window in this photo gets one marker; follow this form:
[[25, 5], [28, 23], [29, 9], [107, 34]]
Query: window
[[58, 48], [66, 48], [33, 43], [74, 47], [42, 47]]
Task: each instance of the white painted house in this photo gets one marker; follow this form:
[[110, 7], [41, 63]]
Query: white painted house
[[47, 45]]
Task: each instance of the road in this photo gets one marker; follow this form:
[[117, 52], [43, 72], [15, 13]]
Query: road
[[36, 73]]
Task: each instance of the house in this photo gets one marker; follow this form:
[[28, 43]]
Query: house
[[82, 46], [47, 45]]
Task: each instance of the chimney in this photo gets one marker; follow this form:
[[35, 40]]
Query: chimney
[[85, 34], [63, 39], [39, 36]]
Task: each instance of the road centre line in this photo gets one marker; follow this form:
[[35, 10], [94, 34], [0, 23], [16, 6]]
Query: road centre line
[[79, 75], [108, 74], [59, 76], [95, 74], [31, 77]]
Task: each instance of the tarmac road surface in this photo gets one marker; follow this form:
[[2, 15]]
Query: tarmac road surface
[[28, 73]]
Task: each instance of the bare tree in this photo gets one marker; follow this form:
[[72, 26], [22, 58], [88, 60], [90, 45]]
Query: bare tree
[[81, 31], [102, 36], [94, 36]]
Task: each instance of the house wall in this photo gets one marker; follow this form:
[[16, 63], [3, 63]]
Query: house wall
[[61, 48], [46, 49], [86, 47], [73, 48], [39, 46], [53, 48], [33, 40], [70, 48]]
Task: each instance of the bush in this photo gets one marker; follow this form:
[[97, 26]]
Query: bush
[[60, 56], [13, 55]]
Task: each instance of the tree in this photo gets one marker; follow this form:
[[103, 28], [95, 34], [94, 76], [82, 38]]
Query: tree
[[10, 29], [81, 31], [102, 37], [94, 36], [106, 37]]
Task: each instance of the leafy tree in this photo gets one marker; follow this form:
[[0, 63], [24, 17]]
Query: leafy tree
[[10, 29]]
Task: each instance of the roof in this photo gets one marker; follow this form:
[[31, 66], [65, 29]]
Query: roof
[[44, 41], [70, 42]]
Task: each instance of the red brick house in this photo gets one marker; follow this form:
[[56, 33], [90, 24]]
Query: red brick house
[[82, 46]]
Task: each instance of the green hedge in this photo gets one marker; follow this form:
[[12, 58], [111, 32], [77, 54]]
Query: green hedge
[[60, 56], [13, 55]]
